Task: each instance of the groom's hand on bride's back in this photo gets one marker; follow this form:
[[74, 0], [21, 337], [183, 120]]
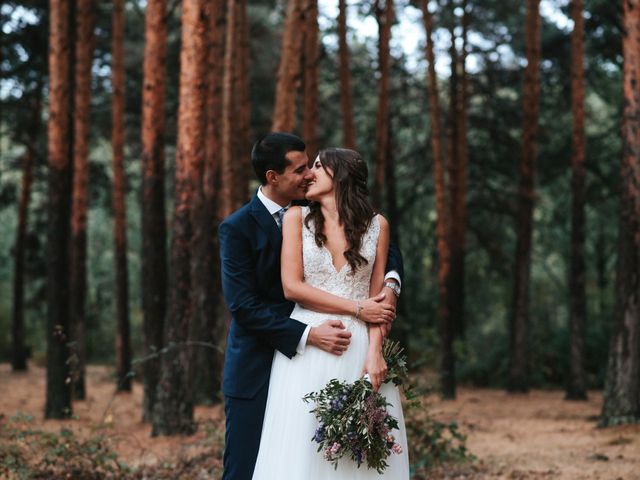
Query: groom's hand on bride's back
[[331, 336]]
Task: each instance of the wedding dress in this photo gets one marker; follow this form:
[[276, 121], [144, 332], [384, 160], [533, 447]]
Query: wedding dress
[[286, 448]]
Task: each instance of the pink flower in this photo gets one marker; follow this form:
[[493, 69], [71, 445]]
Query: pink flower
[[396, 448], [334, 448]]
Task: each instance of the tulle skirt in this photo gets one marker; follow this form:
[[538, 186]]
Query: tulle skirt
[[287, 451]]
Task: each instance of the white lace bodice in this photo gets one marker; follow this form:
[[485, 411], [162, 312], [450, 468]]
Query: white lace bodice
[[320, 272]]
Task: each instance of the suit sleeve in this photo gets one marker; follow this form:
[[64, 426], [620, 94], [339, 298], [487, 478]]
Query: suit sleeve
[[241, 295], [394, 260]]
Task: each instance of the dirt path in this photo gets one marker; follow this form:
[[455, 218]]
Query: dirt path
[[534, 436], [539, 435]]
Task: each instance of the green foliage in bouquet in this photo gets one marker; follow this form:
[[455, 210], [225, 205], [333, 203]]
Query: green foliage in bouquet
[[354, 422], [353, 418]]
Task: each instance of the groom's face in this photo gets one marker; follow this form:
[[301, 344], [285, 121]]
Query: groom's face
[[292, 183]]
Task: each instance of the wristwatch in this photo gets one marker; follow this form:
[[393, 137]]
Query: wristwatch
[[395, 288]]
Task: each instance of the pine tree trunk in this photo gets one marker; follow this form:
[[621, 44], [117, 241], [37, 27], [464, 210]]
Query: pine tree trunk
[[19, 349], [456, 171], [85, 21], [457, 264], [242, 156], [123, 341], [385, 21], [289, 70], [518, 370], [622, 385], [229, 114], [58, 403], [173, 412], [154, 230], [204, 264], [310, 112], [447, 356], [346, 99], [577, 385]]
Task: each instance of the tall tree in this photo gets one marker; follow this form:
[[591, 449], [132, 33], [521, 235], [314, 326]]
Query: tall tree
[[19, 353], [459, 212], [310, 112], [518, 370], [289, 69], [84, 43], [229, 114], [154, 230], [242, 155], [207, 302], [19, 349], [447, 355], [123, 341], [622, 386], [577, 387], [58, 403], [384, 16], [457, 170], [346, 99], [173, 412]]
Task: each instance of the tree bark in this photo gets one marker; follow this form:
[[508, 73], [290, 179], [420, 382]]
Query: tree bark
[[310, 112], [204, 264], [458, 174], [577, 385], [123, 341], [173, 412], [622, 385], [58, 403], [518, 370], [447, 355], [229, 114], [19, 348], [154, 230], [289, 70], [346, 98], [385, 21], [85, 18], [242, 156]]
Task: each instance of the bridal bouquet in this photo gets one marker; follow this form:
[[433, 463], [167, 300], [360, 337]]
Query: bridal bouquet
[[354, 421]]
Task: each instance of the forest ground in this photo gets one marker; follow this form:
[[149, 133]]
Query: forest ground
[[533, 436]]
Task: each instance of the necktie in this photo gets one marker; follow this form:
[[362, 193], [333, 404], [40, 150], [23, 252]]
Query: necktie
[[279, 216]]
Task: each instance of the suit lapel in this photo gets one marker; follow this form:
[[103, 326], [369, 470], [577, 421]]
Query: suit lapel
[[268, 225]]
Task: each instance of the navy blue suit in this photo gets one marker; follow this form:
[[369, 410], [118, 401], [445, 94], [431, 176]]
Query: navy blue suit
[[250, 242]]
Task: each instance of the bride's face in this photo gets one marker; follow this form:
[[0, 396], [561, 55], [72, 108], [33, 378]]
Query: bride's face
[[321, 184]]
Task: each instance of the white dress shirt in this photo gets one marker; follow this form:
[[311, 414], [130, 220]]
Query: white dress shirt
[[273, 208]]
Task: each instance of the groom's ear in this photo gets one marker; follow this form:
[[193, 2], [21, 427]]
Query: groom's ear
[[271, 176]]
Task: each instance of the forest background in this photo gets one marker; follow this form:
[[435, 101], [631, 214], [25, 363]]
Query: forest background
[[508, 100]]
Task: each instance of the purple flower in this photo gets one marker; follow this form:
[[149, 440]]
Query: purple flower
[[319, 435]]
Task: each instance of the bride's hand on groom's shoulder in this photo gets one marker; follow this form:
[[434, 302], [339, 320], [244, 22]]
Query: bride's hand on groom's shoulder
[[377, 311]]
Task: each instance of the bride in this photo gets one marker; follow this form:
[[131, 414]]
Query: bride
[[333, 257]]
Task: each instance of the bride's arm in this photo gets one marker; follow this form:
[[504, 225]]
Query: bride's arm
[[296, 290], [375, 365]]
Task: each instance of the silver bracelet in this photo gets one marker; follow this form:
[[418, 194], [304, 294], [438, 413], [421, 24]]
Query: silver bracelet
[[358, 308]]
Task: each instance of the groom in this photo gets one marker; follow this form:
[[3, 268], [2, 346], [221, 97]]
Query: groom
[[250, 241]]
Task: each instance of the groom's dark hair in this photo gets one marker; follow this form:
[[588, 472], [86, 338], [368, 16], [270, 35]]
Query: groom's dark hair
[[269, 151]]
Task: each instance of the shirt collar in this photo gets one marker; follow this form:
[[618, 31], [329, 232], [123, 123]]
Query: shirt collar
[[271, 206]]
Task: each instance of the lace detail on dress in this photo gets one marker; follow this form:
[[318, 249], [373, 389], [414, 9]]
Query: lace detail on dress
[[320, 272]]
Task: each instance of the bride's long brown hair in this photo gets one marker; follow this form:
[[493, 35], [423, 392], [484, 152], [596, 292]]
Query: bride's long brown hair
[[348, 172]]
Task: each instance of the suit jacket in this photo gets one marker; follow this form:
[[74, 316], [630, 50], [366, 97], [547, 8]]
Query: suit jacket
[[250, 244]]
